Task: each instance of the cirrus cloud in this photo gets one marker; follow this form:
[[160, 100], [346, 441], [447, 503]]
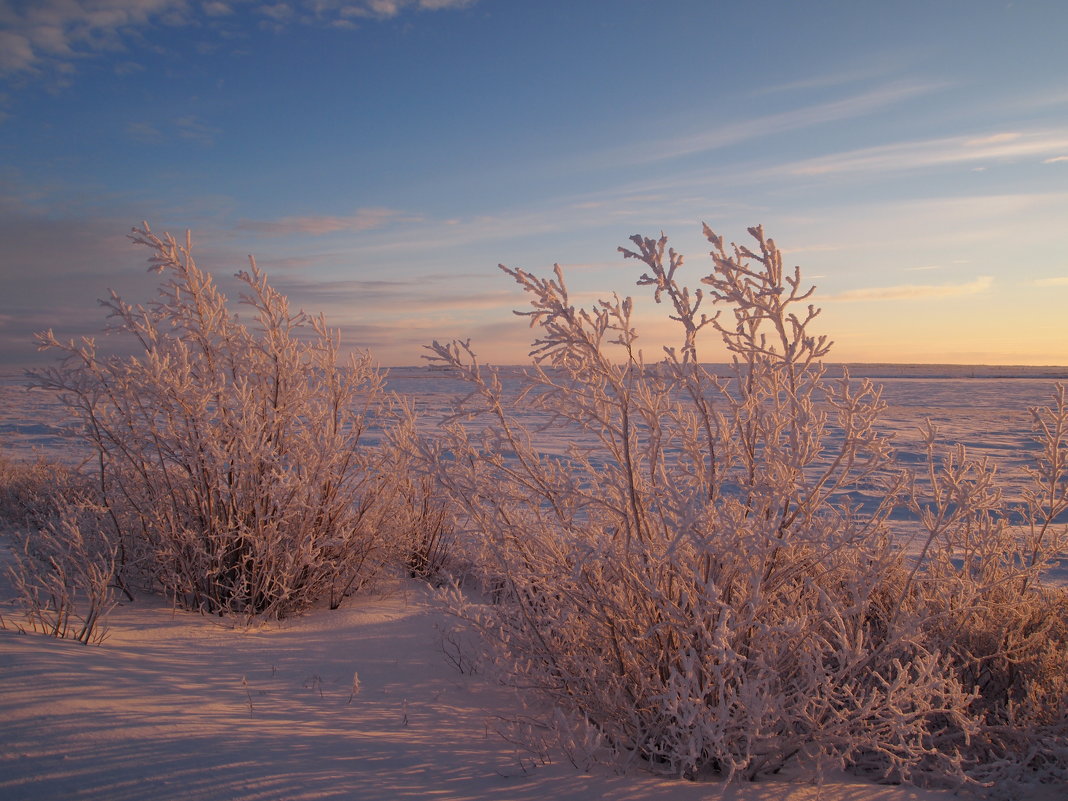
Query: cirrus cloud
[[924, 154], [915, 291], [317, 225]]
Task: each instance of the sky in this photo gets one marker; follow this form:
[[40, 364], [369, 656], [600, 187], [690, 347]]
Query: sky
[[380, 158]]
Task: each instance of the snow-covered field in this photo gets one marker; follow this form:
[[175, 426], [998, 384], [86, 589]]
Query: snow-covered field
[[985, 408], [178, 706]]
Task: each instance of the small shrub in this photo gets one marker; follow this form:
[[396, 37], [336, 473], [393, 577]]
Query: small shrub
[[31, 493], [63, 563], [63, 572], [429, 528], [978, 589], [232, 457]]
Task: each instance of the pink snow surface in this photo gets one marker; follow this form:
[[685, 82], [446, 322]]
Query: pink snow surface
[[161, 710]]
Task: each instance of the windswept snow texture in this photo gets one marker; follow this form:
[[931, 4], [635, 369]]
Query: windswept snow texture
[[178, 706]]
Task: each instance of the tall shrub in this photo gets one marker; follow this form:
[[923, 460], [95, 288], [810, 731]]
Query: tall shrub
[[230, 453], [692, 580]]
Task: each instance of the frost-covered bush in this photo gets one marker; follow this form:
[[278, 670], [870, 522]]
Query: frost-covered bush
[[63, 562], [231, 456], [64, 572], [425, 526], [978, 587], [31, 492], [691, 581]]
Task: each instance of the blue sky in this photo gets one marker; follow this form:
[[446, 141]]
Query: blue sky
[[380, 157]]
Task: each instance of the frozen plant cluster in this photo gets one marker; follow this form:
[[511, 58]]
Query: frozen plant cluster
[[690, 587], [695, 589], [229, 455], [64, 562]]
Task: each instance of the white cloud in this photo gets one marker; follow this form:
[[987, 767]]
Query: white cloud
[[1055, 160], [52, 33], [58, 30], [217, 9], [279, 12], [914, 291], [384, 8], [1059, 280]]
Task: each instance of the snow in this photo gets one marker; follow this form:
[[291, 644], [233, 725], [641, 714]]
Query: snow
[[175, 705], [983, 407]]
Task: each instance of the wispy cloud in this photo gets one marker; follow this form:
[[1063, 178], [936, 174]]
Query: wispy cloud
[[128, 68], [54, 33], [386, 299], [189, 127], [386, 9], [1055, 160], [1004, 146], [914, 291], [279, 12], [993, 139], [745, 130], [347, 292], [315, 225], [59, 30], [144, 132], [196, 130], [1059, 280], [824, 81], [217, 8], [437, 5]]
